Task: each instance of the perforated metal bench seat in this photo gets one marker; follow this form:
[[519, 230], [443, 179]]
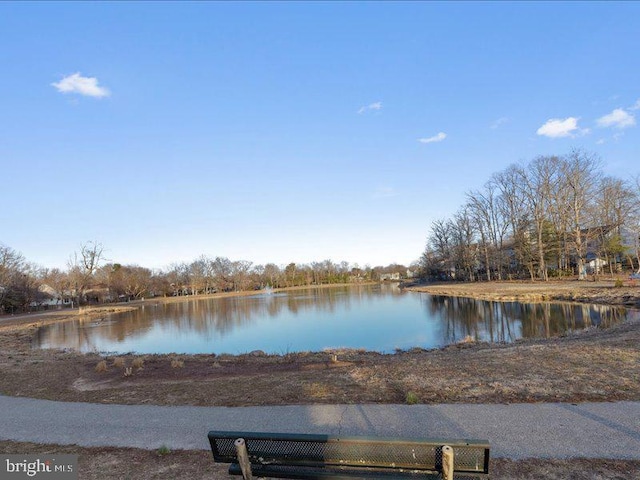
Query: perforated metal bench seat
[[300, 456]]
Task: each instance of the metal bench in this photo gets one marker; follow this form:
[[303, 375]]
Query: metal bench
[[320, 457]]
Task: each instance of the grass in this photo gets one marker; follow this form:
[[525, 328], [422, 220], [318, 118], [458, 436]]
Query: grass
[[164, 450], [412, 398]]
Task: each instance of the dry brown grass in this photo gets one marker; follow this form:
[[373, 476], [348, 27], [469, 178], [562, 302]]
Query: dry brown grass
[[176, 363], [138, 363], [119, 362], [101, 366]]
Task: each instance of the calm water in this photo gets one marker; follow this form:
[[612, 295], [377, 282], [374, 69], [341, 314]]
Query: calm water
[[379, 318]]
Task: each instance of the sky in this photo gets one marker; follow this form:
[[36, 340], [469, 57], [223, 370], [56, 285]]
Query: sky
[[292, 131]]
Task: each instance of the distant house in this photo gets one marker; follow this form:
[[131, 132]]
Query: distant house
[[49, 297], [390, 277], [595, 264], [596, 239]]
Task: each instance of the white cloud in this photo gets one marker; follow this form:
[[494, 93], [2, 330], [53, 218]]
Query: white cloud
[[436, 138], [636, 106], [76, 83], [370, 107], [601, 141], [558, 128], [619, 118], [499, 122]]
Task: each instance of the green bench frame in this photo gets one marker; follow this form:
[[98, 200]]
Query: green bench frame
[[320, 457]]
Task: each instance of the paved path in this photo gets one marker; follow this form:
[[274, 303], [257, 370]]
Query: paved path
[[559, 430]]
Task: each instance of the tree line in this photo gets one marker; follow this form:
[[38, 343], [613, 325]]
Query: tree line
[[90, 278], [552, 216]]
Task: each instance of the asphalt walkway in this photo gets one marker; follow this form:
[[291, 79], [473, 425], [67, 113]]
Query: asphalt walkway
[[545, 430]]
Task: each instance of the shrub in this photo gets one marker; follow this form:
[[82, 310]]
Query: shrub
[[101, 366], [119, 362], [138, 363], [164, 450], [175, 363], [618, 283]]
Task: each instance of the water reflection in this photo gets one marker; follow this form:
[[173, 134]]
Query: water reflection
[[381, 318], [508, 321]]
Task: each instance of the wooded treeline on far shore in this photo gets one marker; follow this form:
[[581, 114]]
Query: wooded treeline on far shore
[[551, 217], [90, 279]]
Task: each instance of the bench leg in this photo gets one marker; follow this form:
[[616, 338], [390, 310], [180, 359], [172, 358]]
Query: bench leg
[[447, 463], [243, 459]]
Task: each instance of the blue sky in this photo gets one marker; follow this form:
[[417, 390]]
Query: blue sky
[[280, 132]]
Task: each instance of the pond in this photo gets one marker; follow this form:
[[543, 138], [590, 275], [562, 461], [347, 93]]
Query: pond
[[379, 318]]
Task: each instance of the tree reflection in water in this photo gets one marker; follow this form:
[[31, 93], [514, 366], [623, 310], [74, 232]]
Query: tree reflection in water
[[491, 321]]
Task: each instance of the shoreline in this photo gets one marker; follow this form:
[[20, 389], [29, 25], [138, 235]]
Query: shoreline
[[603, 292], [589, 365], [96, 311]]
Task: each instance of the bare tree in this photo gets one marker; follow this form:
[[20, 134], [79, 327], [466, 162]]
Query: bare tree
[[580, 174], [441, 243], [83, 265], [241, 275], [616, 204], [60, 282], [12, 267], [222, 269], [634, 226], [517, 216], [540, 182], [464, 243], [11, 263], [488, 212], [199, 275], [271, 275], [136, 281]]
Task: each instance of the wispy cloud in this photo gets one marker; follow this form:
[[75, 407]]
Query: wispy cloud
[[385, 192], [499, 122], [635, 106], [436, 138], [86, 86], [371, 107], [558, 128], [619, 118]]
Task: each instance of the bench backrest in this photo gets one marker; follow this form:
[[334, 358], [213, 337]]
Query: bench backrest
[[471, 456]]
